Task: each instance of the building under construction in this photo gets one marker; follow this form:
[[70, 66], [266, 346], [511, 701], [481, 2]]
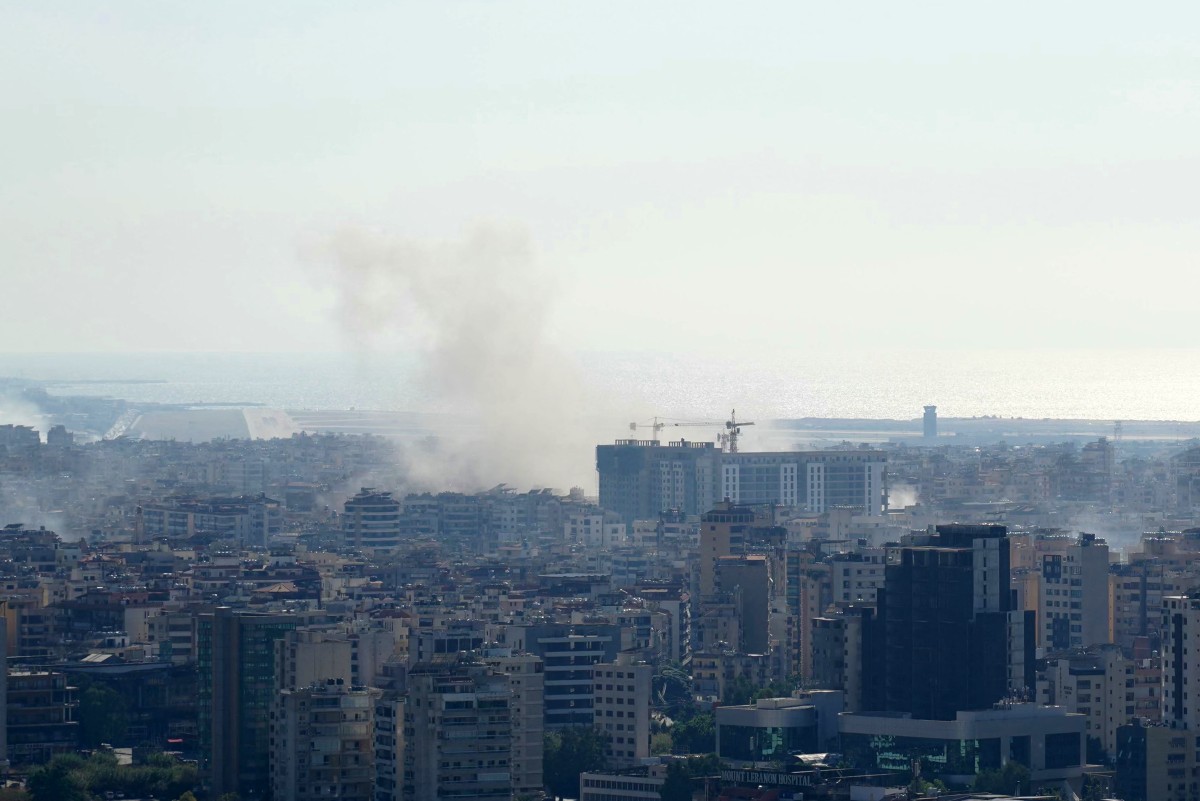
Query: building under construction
[[640, 478]]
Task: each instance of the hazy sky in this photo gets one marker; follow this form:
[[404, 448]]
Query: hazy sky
[[695, 175]]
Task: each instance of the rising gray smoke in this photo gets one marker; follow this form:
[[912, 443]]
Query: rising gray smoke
[[18, 410], [475, 311], [1122, 532], [901, 495]]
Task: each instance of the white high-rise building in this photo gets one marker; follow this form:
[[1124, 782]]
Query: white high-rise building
[[526, 678], [1181, 661], [641, 478], [602, 530], [322, 743], [1073, 607], [857, 577], [458, 730], [1100, 683], [389, 747], [371, 521], [4, 692], [622, 708], [308, 656]]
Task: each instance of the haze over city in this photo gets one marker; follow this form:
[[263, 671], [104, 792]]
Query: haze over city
[[560, 402], [844, 177]]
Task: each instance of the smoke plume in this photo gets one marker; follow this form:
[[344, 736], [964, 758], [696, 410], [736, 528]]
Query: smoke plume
[[475, 312], [901, 495], [16, 409]]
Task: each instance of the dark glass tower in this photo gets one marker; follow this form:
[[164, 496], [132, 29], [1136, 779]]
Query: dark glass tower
[[236, 661], [951, 638]]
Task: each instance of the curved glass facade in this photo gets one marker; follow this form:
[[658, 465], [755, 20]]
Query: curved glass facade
[[765, 743], [937, 757]]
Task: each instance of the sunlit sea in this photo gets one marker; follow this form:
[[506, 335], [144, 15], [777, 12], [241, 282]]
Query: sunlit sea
[[1090, 384]]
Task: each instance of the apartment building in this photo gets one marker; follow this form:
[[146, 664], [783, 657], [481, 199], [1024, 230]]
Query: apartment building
[[622, 708], [322, 743]]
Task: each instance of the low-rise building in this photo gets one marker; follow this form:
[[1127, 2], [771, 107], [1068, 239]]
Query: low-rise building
[[642, 785], [1047, 740], [1098, 683], [41, 716], [771, 729]]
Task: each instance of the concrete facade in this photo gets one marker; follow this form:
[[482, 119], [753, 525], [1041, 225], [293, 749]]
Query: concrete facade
[[458, 733], [622, 708], [322, 743]]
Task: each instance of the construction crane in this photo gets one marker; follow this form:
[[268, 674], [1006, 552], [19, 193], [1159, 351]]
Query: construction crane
[[655, 426], [733, 429], [658, 424], [728, 438]]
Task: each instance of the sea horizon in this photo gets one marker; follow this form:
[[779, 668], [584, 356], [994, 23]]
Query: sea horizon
[[1134, 384]]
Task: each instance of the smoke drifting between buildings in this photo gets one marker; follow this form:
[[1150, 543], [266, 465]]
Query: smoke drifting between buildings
[[475, 313], [18, 410]]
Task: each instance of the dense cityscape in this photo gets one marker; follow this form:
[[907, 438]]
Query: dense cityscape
[[916, 617], [510, 400]]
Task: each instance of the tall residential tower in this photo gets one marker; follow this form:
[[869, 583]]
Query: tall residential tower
[[641, 478]]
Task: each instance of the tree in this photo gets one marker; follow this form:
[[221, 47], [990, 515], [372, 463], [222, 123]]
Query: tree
[[919, 786], [678, 784], [738, 692], [102, 716], [696, 735], [1094, 788], [742, 691], [56, 781], [1009, 780], [660, 743], [776, 689], [570, 752], [673, 689], [704, 765], [162, 776]]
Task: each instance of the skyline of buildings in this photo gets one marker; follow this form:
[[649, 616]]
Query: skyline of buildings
[[640, 478], [233, 600], [327, 323]]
